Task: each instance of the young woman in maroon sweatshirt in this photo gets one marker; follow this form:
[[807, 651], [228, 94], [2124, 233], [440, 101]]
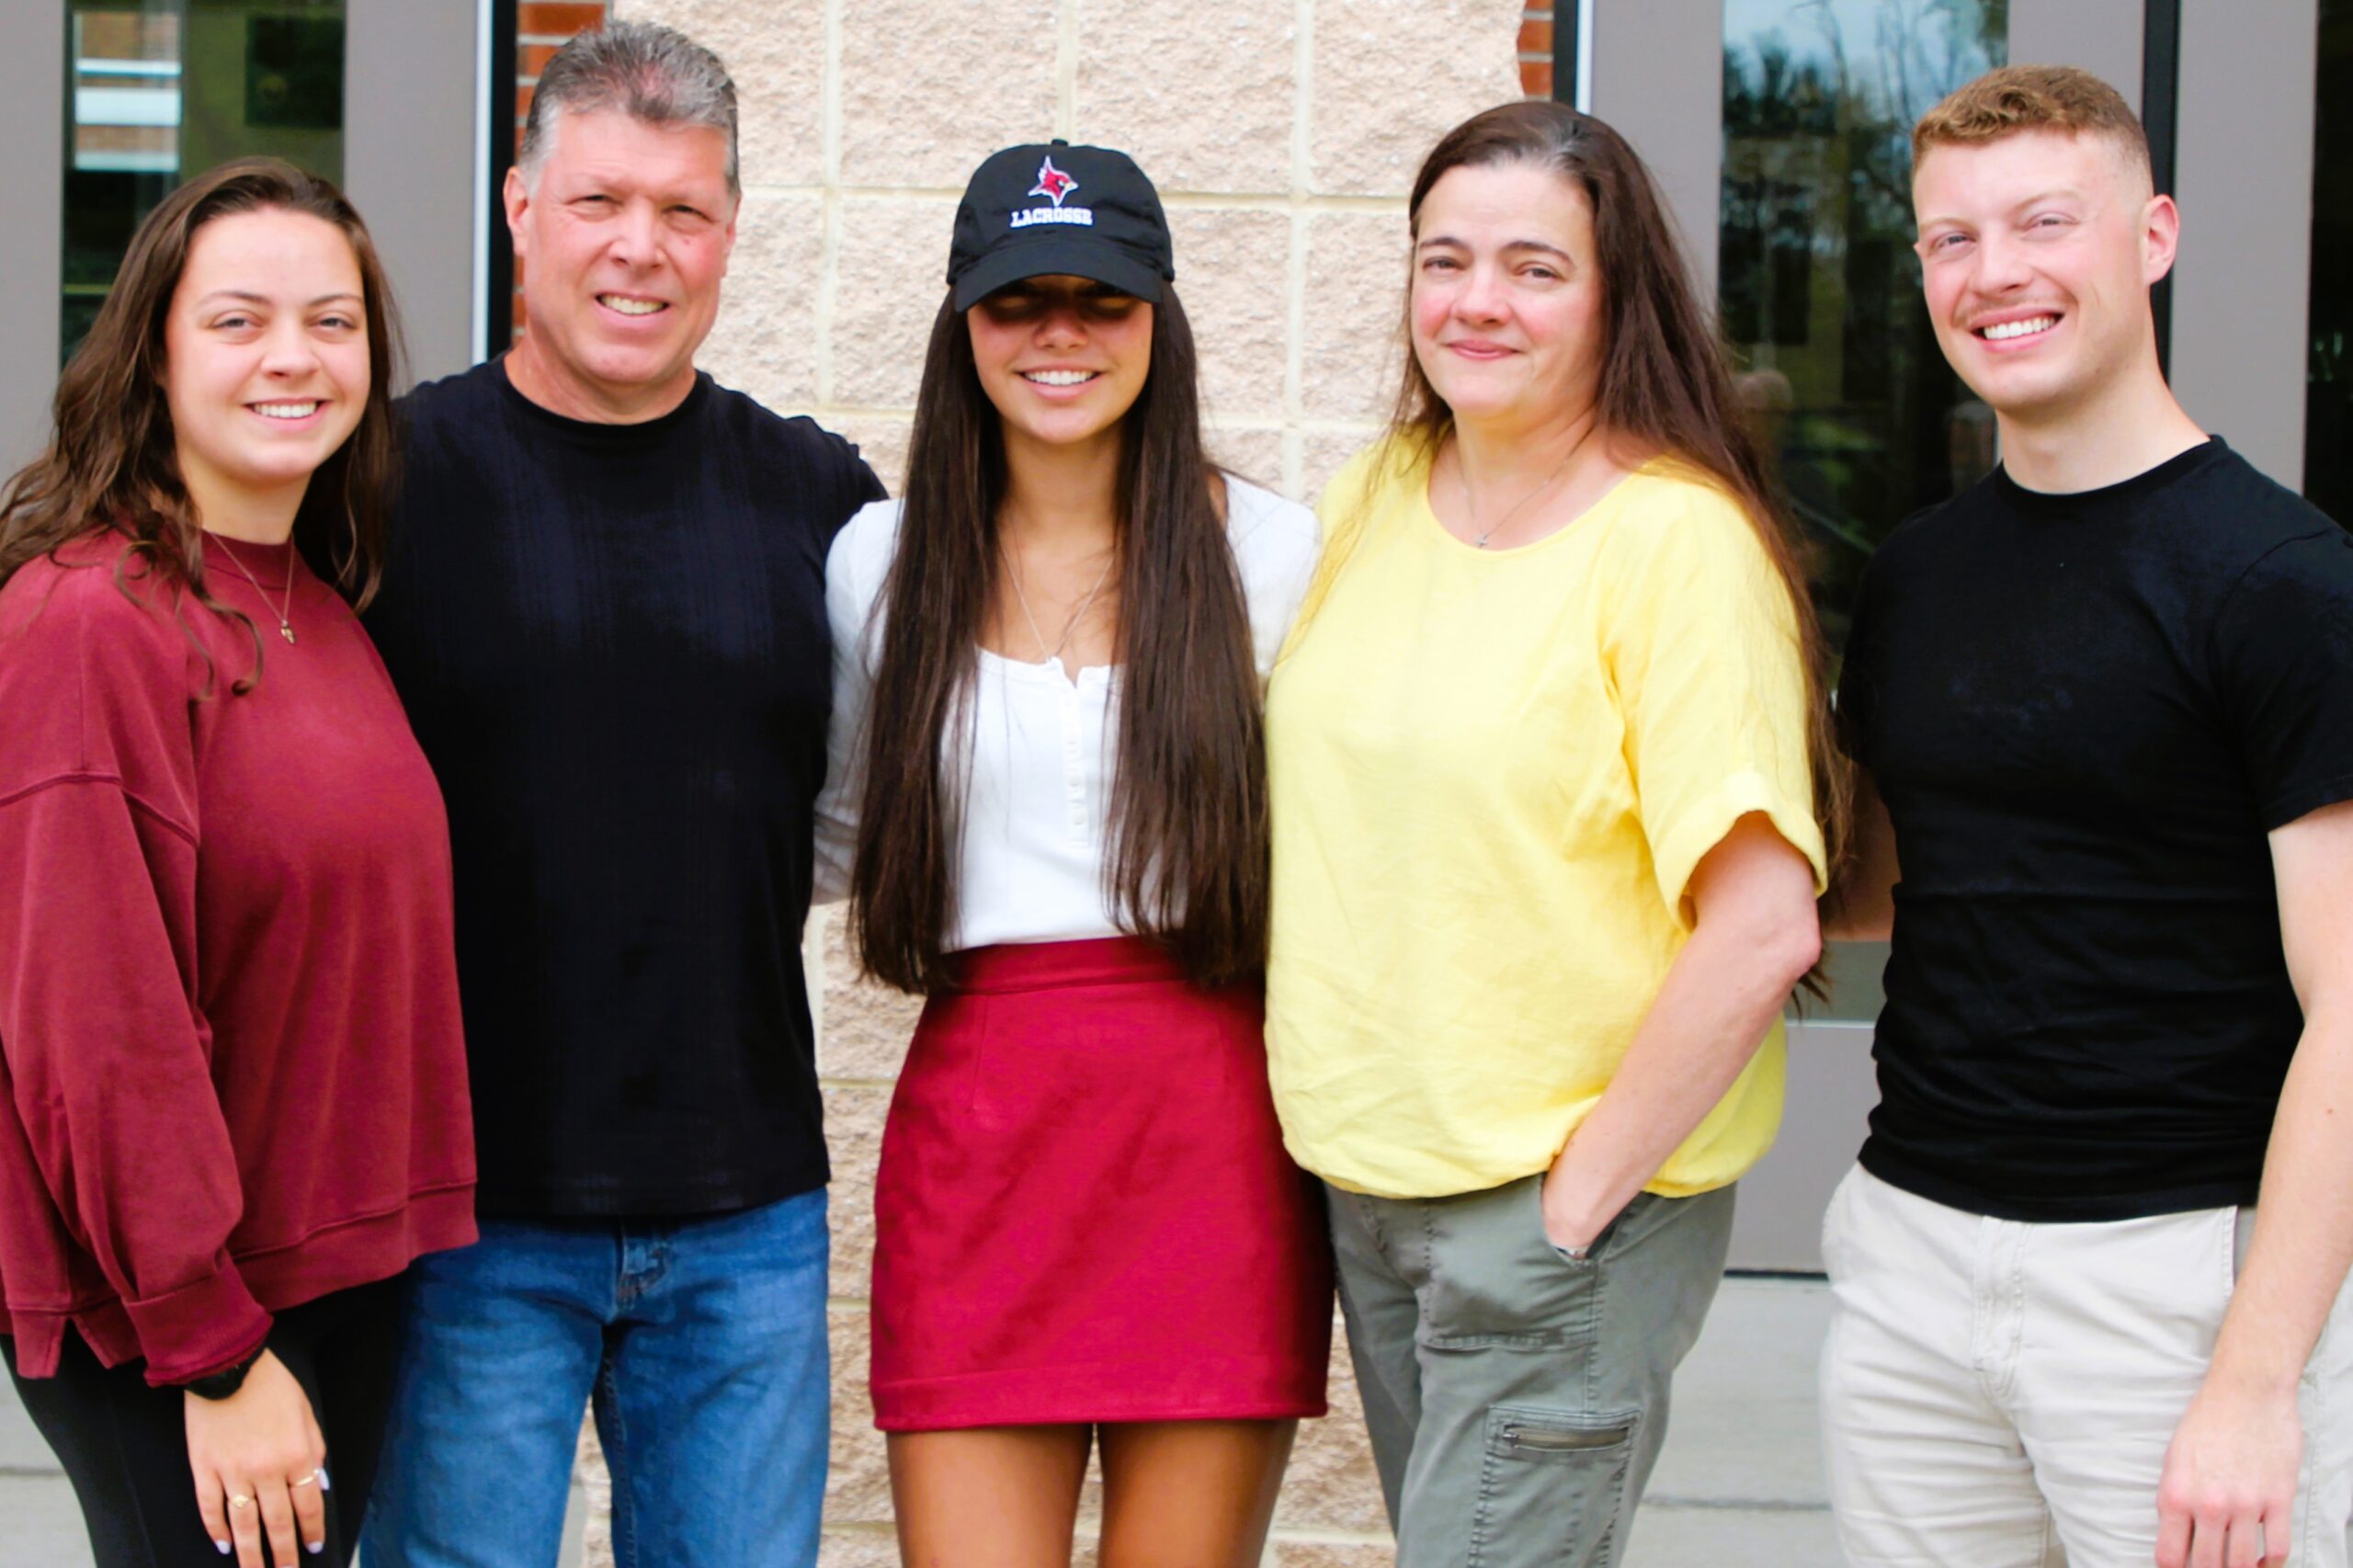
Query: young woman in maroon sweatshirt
[[232, 1103]]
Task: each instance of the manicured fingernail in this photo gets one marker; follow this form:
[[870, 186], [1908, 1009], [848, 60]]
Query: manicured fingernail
[[224, 1547], [314, 1547], [325, 1484]]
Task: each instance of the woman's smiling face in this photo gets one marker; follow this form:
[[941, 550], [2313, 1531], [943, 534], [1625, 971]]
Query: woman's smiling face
[[1063, 358], [266, 355], [1507, 294]]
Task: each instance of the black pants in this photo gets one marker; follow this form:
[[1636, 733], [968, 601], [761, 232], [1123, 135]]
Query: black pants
[[124, 1445]]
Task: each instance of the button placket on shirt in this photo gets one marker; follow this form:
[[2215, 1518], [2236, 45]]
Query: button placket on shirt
[[1073, 762]]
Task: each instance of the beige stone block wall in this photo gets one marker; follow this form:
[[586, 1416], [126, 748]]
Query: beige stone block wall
[[1283, 135]]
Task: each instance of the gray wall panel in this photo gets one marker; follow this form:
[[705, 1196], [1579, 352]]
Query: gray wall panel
[[2102, 37], [2244, 180], [32, 128], [409, 164], [1658, 73]]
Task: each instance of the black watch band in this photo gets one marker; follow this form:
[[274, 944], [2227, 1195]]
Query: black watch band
[[225, 1382]]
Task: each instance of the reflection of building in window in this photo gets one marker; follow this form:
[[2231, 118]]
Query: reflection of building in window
[[126, 90], [164, 88], [125, 149], [1820, 286]]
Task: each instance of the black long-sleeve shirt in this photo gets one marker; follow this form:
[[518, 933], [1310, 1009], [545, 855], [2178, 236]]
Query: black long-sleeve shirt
[[611, 641]]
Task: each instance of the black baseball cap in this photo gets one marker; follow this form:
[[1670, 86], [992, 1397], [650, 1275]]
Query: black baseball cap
[[1055, 208]]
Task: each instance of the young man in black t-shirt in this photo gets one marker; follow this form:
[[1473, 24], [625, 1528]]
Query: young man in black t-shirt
[[2103, 703], [605, 614]]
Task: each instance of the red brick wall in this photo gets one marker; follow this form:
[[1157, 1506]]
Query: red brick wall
[[540, 30], [1536, 49]]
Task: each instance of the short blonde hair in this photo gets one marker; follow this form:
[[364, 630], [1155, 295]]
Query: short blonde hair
[[2020, 99]]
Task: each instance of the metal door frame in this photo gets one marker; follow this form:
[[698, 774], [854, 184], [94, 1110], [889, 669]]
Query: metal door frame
[[2236, 85], [32, 243], [416, 101]]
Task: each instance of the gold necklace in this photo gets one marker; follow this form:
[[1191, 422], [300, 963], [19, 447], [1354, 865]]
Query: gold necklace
[[285, 627]]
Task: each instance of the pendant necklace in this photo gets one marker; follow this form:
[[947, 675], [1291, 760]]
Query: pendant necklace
[[285, 627], [1471, 512], [1076, 616]]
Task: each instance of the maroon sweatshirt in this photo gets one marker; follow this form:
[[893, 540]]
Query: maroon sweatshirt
[[232, 1075]]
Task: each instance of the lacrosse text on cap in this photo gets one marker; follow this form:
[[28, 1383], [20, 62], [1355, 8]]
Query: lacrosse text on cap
[[1049, 208], [1053, 185]]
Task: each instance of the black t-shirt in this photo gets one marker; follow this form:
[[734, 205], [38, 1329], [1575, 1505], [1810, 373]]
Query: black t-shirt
[[2085, 714], [611, 641]]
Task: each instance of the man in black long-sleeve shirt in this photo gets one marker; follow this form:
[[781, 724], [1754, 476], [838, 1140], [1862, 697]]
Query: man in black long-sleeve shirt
[[605, 615]]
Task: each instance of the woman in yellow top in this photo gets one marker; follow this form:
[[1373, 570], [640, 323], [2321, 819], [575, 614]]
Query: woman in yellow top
[[1549, 777]]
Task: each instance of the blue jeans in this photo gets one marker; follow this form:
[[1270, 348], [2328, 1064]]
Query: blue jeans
[[702, 1345]]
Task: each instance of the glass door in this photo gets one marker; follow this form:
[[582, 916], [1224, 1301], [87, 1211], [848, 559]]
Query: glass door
[[1819, 286], [161, 89], [1862, 420]]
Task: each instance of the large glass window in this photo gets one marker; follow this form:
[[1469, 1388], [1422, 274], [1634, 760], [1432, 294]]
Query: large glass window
[[1821, 290], [162, 89], [2328, 425], [1838, 366]]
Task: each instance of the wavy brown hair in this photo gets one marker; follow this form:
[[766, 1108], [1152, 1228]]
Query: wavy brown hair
[[1187, 859], [112, 463], [1665, 383]]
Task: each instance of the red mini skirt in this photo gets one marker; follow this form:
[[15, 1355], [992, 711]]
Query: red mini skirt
[[1084, 1212]]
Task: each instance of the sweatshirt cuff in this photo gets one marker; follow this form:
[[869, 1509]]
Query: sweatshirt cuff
[[198, 1329]]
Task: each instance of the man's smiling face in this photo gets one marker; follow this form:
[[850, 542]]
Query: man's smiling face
[[2037, 251], [623, 232]]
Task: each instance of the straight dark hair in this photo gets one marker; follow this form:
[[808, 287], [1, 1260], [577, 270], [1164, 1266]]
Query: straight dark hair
[[1187, 861], [1665, 375], [112, 463]]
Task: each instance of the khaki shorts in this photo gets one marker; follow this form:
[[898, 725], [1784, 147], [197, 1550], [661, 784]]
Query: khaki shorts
[[1517, 1399], [2001, 1393]]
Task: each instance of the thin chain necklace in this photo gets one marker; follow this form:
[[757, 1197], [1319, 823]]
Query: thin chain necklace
[[285, 627], [1014, 572], [1471, 512]]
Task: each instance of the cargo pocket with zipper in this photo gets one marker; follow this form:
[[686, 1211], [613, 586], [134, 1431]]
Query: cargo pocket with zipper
[[1552, 1487]]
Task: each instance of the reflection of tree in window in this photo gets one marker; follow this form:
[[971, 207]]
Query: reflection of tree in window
[[1820, 286]]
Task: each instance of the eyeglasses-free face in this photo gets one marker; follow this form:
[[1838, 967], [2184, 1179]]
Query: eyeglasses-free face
[[1063, 358], [266, 360], [624, 236], [1507, 295], [2036, 253]]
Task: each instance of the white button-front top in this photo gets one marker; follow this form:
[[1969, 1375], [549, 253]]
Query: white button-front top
[[1030, 866]]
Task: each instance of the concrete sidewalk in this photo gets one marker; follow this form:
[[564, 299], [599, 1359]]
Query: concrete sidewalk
[[1739, 1485], [1740, 1482]]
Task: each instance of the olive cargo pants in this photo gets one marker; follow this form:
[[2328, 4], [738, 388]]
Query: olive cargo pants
[[1517, 1399]]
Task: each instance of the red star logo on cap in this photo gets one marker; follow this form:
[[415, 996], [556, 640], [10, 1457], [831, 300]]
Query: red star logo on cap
[[1052, 184]]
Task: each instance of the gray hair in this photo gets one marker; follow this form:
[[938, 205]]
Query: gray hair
[[646, 71]]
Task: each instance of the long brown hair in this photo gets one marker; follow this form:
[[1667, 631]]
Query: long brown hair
[[1187, 858], [1666, 378], [112, 464]]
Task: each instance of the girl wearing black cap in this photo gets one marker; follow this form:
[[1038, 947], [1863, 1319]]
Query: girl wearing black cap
[[1047, 760]]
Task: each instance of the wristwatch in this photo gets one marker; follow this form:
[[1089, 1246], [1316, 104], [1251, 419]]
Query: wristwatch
[[227, 1381]]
